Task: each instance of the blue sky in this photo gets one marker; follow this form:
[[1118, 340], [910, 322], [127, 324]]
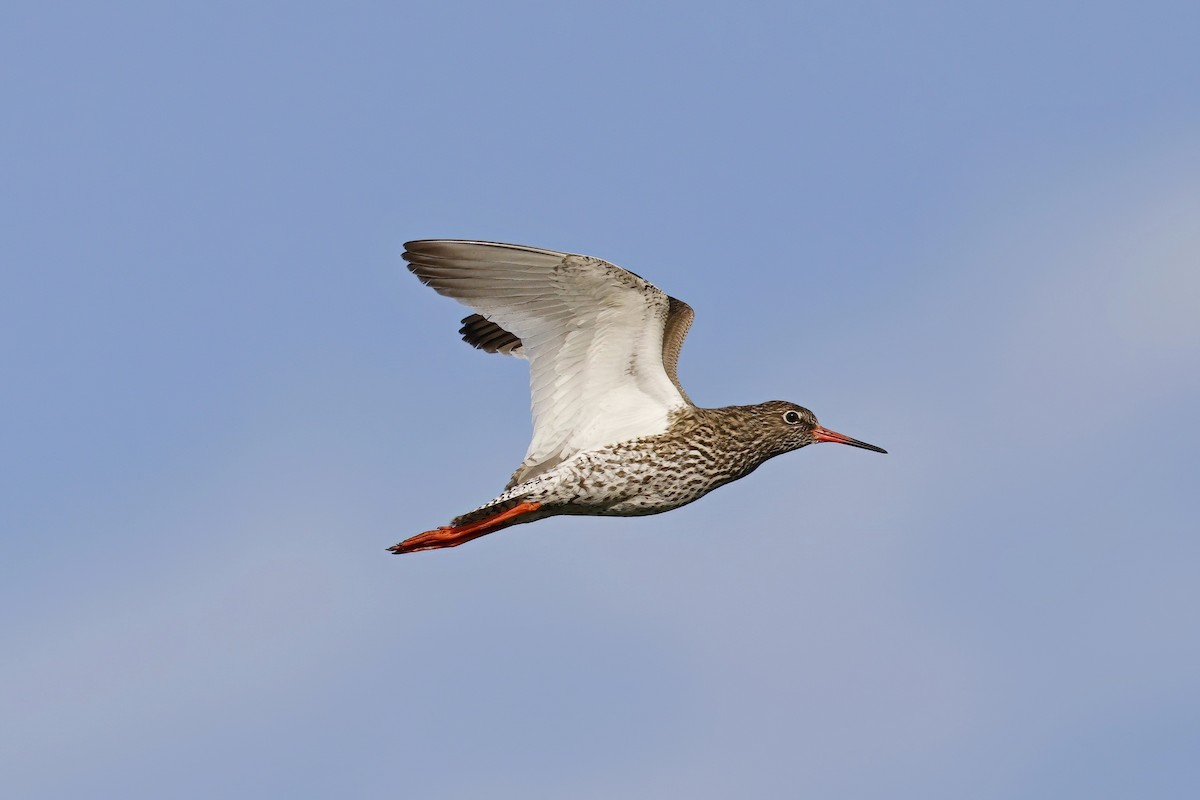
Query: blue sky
[[965, 232]]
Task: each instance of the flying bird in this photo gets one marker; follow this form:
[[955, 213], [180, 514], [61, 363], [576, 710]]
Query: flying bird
[[614, 433]]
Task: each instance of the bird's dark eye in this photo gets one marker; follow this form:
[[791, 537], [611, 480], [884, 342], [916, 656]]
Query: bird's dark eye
[[791, 418]]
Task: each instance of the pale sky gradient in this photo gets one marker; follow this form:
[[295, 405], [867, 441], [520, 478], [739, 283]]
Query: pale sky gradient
[[968, 233]]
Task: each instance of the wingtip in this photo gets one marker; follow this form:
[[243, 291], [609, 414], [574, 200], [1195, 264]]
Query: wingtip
[[423, 244], [463, 246]]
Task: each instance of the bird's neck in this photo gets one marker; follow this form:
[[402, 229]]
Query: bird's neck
[[730, 437]]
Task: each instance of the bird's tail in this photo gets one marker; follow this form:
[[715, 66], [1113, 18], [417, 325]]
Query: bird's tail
[[481, 522]]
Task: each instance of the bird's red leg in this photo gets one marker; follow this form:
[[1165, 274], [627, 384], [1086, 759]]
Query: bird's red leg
[[452, 536]]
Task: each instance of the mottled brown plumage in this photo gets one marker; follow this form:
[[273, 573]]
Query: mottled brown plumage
[[614, 432]]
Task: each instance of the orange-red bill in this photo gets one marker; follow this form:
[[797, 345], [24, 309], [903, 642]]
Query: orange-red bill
[[825, 435]]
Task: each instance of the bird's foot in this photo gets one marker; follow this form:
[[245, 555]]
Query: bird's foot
[[452, 535]]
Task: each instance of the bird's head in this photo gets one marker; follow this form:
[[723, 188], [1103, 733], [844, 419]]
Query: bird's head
[[788, 426]]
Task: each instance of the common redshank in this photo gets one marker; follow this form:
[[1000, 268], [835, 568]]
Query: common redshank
[[614, 433]]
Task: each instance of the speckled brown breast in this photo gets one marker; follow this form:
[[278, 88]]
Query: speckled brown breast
[[704, 449]]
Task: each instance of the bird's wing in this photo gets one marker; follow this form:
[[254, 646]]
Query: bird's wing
[[679, 321], [596, 337]]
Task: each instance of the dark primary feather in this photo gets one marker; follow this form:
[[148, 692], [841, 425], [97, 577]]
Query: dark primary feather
[[479, 331]]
